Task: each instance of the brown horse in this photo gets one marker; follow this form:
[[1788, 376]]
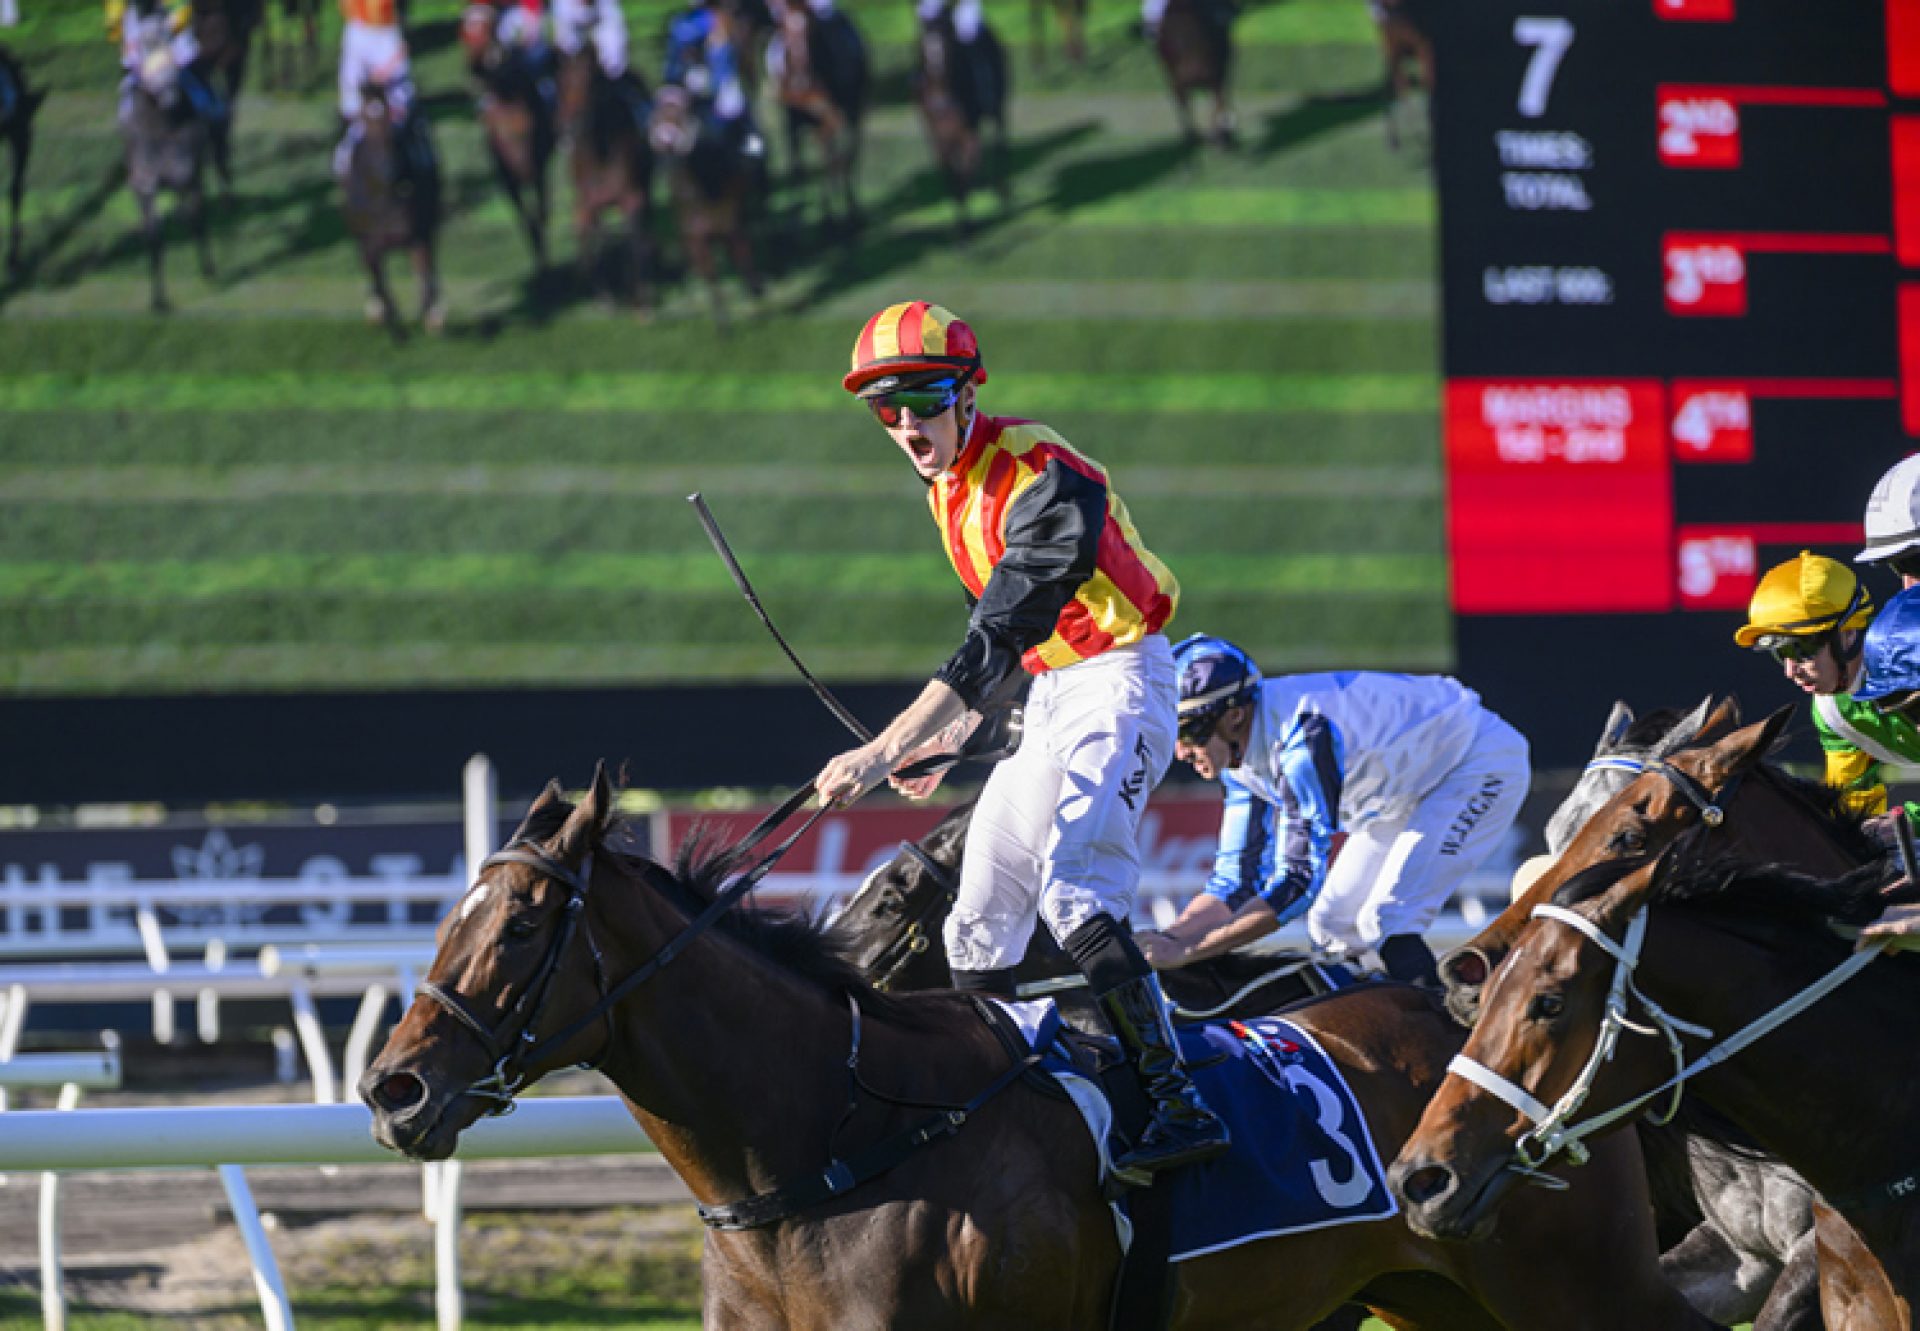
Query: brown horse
[[517, 117], [611, 164], [390, 196], [1073, 29], [891, 929], [961, 86], [716, 190], [750, 1053], [19, 103], [822, 79], [1719, 948], [1195, 44], [1406, 51]]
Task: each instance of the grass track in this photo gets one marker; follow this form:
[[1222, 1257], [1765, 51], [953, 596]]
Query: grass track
[[262, 493]]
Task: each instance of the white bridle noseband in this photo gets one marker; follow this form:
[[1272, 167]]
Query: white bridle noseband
[[1552, 1132]]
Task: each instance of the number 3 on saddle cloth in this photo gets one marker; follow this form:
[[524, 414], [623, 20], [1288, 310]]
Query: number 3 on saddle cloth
[[1302, 1158]]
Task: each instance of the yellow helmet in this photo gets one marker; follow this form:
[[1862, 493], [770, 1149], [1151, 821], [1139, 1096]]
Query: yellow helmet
[[1808, 594], [910, 338]]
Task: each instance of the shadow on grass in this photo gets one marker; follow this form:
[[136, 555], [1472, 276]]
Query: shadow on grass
[[899, 248], [1309, 119]]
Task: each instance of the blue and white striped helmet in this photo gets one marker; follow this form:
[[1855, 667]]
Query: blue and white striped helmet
[[1215, 677]]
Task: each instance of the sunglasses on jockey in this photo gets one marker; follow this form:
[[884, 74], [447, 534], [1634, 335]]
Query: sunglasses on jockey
[[1785, 647], [1793, 646], [925, 400]]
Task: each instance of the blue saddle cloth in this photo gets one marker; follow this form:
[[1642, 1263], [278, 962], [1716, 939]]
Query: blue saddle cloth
[[1303, 1156]]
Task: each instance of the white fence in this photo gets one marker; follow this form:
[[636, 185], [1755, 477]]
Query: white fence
[[228, 1137]]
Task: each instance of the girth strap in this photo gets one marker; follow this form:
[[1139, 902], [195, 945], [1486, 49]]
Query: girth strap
[[844, 1175]]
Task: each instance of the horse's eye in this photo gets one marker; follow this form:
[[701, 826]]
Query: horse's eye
[[1545, 1007], [522, 927], [1629, 841]]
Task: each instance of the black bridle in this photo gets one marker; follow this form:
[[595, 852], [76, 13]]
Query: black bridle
[[914, 938], [513, 1050]]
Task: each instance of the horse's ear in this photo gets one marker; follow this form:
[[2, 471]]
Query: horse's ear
[[545, 799], [1615, 730], [587, 824], [1749, 746]]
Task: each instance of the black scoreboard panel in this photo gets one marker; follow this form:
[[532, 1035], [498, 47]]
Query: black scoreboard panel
[[1680, 255]]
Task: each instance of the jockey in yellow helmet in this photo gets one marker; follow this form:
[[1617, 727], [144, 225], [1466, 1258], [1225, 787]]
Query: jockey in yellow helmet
[[1810, 614]]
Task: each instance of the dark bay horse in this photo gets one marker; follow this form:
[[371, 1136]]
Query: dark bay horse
[[717, 191], [750, 1053], [391, 200], [224, 29], [19, 103], [1720, 948], [961, 88], [167, 147], [1195, 45], [611, 164], [823, 80], [517, 118]]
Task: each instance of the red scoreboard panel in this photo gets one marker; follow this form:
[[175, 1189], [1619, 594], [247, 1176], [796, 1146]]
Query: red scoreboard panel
[[1680, 253]]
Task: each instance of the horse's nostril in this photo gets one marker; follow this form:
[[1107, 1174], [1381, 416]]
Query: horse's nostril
[[1419, 1186], [398, 1091]]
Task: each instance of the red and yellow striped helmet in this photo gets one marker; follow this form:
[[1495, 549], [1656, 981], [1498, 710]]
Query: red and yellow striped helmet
[[908, 338]]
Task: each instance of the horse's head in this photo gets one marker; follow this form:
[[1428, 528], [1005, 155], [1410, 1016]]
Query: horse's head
[[1648, 812], [891, 928], [1544, 973], [1627, 744], [518, 964], [1546, 1045]]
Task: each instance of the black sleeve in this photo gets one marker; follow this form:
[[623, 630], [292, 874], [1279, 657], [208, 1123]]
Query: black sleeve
[[1053, 537]]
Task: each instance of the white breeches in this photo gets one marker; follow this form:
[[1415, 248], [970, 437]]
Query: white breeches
[[605, 24], [369, 52], [1395, 874], [1056, 830]]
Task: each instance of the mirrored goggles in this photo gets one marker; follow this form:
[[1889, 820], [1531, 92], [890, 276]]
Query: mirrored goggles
[[925, 401], [1198, 728], [1793, 646]]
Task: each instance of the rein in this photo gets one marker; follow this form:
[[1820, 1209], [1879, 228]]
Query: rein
[[511, 1055], [1553, 1132]]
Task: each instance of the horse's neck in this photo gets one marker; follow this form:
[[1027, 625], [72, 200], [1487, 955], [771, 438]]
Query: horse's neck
[[1832, 1092], [735, 1067], [1793, 835]]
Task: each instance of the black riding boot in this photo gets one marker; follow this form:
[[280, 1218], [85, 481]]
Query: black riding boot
[[1409, 960], [1181, 1130]]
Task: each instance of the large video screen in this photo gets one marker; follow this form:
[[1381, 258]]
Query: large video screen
[[259, 492], [1681, 269]]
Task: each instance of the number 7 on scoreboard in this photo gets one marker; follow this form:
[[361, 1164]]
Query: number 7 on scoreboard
[[1549, 38]]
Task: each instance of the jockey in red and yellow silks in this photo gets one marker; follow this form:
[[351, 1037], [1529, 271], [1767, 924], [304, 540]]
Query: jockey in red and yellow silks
[[1000, 485], [1065, 593]]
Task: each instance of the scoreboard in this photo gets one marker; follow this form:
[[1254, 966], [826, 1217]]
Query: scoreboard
[[1680, 259]]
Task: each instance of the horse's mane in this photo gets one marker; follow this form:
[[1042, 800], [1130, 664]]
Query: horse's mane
[[792, 940], [1829, 805]]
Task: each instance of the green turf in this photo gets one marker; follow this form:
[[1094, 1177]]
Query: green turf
[[261, 492]]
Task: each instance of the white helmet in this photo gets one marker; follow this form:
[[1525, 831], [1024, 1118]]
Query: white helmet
[[1893, 514]]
